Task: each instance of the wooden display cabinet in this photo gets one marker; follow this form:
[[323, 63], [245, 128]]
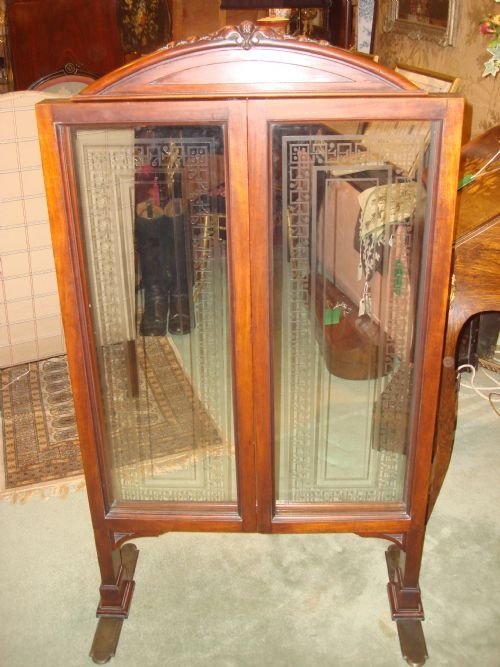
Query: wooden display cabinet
[[219, 210]]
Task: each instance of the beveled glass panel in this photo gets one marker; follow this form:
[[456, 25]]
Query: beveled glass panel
[[349, 213], [154, 239]]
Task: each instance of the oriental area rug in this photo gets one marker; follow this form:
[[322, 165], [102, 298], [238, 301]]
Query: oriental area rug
[[41, 453]]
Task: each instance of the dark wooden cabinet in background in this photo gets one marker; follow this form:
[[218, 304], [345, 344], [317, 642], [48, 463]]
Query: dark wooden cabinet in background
[[97, 36], [44, 35], [219, 210]]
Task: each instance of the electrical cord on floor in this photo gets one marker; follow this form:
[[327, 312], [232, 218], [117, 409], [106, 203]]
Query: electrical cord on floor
[[493, 395]]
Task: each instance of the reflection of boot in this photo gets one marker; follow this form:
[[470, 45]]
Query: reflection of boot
[[151, 242], [180, 317]]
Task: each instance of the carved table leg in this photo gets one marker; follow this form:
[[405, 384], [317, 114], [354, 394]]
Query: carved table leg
[[411, 635], [109, 626]]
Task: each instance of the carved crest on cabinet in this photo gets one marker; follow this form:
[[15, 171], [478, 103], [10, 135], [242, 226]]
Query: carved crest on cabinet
[[247, 34]]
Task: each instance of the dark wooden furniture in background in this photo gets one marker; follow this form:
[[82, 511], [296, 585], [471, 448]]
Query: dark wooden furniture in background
[[340, 23], [337, 15], [476, 272], [94, 35], [228, 137], [45, 35], [98, 36]]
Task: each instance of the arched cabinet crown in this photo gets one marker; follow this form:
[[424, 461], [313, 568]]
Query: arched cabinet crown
[[244, 61]]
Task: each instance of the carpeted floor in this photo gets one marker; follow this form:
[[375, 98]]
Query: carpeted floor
[[219, 600]]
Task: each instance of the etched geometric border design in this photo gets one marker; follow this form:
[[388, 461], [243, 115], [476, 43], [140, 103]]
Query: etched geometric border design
[[107, 167], [301, 365]]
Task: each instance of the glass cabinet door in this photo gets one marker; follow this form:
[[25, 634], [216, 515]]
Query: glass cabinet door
[[348, 218], [154, 233], [258, 338]]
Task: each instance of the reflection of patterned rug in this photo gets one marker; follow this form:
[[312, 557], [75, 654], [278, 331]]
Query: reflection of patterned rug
[[165, 419], [41, 448]]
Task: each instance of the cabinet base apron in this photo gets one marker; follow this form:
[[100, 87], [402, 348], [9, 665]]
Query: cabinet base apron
[[110, 621], [410, 632]]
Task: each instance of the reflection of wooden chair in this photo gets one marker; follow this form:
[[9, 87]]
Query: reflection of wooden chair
[[66, 81]]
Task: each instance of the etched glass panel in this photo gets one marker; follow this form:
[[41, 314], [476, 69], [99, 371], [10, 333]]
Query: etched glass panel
[[154, 235], [349, 211]]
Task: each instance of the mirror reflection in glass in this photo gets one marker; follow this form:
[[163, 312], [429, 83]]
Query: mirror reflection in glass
[[154, 232], [349, 210]]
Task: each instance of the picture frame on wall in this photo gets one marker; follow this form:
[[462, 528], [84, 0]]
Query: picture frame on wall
[[426, 79], [432, 20]]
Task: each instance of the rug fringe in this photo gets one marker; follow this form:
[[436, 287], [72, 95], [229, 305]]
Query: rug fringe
[[59, 488]]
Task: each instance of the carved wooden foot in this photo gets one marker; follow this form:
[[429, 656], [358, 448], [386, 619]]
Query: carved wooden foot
[[411, 634], [109, 626]]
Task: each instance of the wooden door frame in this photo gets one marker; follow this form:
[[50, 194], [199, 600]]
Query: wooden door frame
[[55, 122], [381, 520], [252, 335]]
